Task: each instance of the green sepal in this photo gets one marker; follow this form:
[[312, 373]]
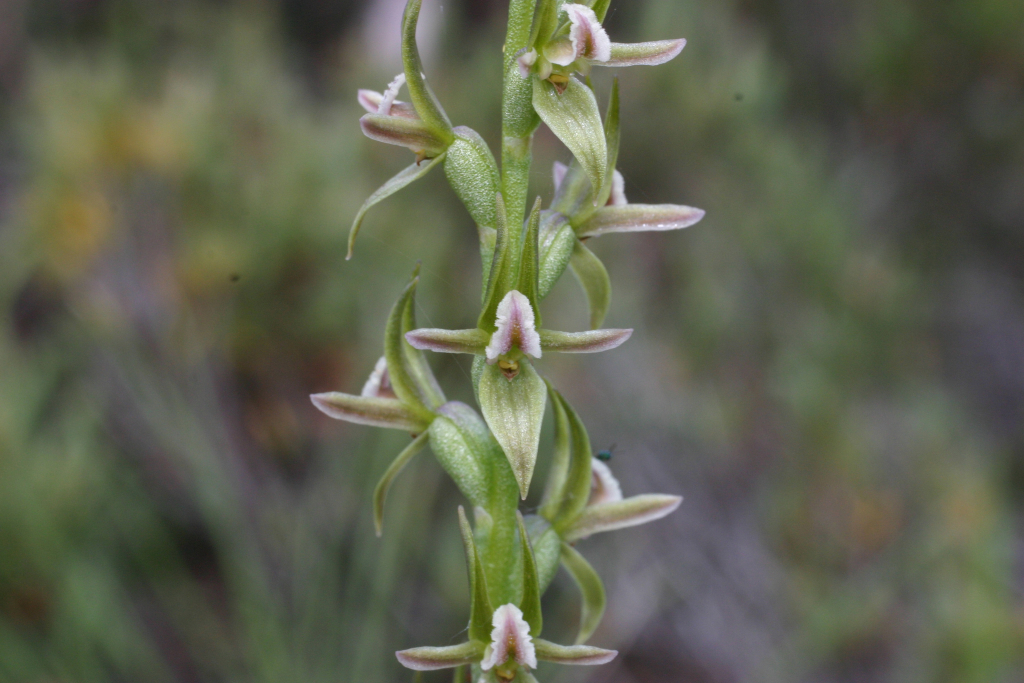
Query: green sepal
[[600, 8], [529, 263], [419, 369], [557, 240], [399, 366], [473, 174], [503, 268], [621, 514], [480, 610], [466, 450], [613, 137], [576, 490], [593, 277], [380, 493], [514, 410], [404, 178], [547, 548], [579, 655], [530, 605], [422, 98], [591, 588], [546, 22], [561, 457], [574, 118]]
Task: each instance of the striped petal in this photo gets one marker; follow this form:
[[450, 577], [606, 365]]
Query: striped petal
[[434, 658], [448, 341], [375, 412], [580, 655]]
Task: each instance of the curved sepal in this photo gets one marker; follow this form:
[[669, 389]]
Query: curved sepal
[[593, 277], [473, 174], [561, 458], [422, 98], [591, 587], [547, 547], [514, 410], [404, 178], [557, 240], [389, 413], [530, 605], [403, 380], [573, 116], [480, 610], [639, 218], [576, 490], [645, 54], [418, 367], [380, 493], [579, 655], [434, 658], [613, 137], [502, 272], [621, 514]]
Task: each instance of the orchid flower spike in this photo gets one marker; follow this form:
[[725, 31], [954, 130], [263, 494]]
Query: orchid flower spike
[[515, 336], [582, 43]]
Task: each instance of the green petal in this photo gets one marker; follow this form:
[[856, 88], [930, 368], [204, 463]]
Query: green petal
[[514, 410], [380, 493], [418, 367], [561, 458], [503, 268], [574, 118], [593, 277], [404, 178], [591, 587], [576, 491], [639, 218]]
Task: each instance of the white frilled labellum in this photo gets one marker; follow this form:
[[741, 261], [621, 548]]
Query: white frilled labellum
[[589, 39], [516, 328], [378, 385], [604, 487], [510, 640]]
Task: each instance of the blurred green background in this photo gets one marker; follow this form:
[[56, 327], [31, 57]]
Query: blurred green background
[[830, 367]]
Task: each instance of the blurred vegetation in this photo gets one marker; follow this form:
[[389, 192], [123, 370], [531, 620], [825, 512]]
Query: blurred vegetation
[[830, 367]]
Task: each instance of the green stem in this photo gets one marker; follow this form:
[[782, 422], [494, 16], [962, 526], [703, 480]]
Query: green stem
[[518, 117]]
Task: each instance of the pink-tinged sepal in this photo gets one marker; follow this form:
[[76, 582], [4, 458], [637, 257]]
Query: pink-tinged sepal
[[516, 328], [621, 514], [644, 54], [591, 341], [434, 658], [639, 218], [580, 655], [510, 641], [389, 413], [448, 341], [411, 133]]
